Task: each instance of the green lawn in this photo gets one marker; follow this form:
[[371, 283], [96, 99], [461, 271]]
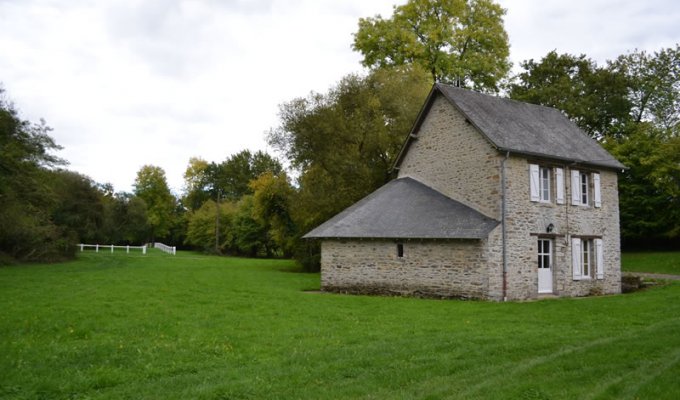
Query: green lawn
[[194, 327], [658, 262]]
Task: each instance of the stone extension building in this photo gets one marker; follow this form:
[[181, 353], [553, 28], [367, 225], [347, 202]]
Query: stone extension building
[[494, 199]]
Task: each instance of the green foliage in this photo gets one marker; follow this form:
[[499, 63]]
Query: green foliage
[[125, 220], [649, 190], [231, 178], [111, 326], [272, 196], [247, 236], [79, 206], [633, 107], [654, 86], [457, 41], [344, 142], [26, 201], [152, 187], [201, 227], [595, 98], [196, 185]]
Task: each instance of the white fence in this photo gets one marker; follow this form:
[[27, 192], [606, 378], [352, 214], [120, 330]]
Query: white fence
[[111, 247], [168, 249]]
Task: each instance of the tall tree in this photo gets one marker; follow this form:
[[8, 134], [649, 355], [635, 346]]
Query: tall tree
[[595, 98], [27, 232], [152, 187], [343, 142], [462, 42], [231, 177], [654, 89], [272, 196], [196, 183]]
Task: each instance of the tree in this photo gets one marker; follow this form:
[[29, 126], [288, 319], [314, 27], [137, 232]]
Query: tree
[[78, 207], [152, 187], [343, 142], [201, 226], [231, 177], [272, 209], [196, 183], [649, 190], [654, 85], [462, 42], [26, 201], [596, 99]]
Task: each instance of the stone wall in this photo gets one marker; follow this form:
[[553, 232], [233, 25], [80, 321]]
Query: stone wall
[[526, 220], [455, 268], [452, 157]]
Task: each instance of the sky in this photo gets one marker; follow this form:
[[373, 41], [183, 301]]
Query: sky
[[127, 83]]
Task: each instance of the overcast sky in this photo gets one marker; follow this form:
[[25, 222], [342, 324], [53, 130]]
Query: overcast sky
[[132, 82]]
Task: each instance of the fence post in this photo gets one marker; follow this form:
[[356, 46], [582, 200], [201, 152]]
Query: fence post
[[128, 249], [96, 249], [81, 247], [144, 249], [174, 250], [111, 248]]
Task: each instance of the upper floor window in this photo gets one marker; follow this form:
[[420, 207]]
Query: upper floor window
[[585, 188], [542, 180]]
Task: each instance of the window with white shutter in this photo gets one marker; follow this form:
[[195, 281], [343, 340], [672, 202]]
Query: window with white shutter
[[559, 185], [575, 188], [599, 265], [597, 196], [534, 182], [576, 258]]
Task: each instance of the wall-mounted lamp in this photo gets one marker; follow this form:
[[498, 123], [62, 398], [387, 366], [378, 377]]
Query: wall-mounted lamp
[[550, 228]]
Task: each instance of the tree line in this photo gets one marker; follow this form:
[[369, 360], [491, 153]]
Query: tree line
[[341, 144]]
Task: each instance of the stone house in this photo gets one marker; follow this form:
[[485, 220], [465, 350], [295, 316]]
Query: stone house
[[494, 199]]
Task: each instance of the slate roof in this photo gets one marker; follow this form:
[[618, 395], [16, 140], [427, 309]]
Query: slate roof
[[406, 209], [521, 128]]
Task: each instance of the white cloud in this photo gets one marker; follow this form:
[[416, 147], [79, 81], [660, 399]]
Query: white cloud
[[136, 82]]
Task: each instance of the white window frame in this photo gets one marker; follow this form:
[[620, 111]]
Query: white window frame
[[587, 258], [585, 189], [559, 185], [540, 183], [544, 177]]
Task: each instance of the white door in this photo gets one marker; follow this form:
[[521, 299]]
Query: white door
[[545, 281]]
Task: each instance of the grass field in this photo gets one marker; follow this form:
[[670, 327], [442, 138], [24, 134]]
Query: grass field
[[654, 262], [194, 327]]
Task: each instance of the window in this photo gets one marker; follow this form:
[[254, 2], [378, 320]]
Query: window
[[544, 253], [587, 258], [544, 184], [400, 250], [540, 181], [581, 186], [584, 188]]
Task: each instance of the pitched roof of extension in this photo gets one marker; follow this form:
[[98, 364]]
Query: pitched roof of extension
[[521, 128], [406, 209]]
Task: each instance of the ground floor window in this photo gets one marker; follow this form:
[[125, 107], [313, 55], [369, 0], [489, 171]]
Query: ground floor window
[[587, 258]]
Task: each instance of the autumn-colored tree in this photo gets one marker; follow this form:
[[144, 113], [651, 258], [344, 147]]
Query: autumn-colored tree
[[152, 187]]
